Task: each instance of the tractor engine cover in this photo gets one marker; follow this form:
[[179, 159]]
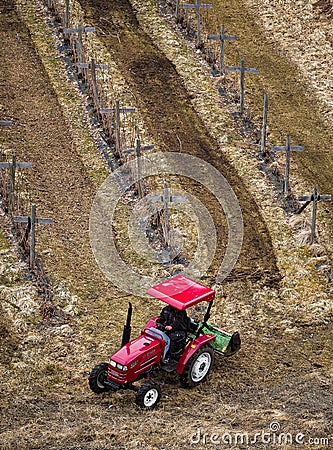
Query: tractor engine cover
[[135, 358]]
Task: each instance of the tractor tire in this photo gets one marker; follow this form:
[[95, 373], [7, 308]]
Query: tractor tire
[[97, 377], [197, 367], [148, 395]]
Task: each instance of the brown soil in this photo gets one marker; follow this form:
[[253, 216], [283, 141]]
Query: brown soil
[[47, 405]]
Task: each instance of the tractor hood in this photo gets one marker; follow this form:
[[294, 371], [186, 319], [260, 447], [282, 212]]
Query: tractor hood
[[141, 349]]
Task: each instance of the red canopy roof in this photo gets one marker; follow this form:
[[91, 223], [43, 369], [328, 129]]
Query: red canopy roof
[[181, 292]]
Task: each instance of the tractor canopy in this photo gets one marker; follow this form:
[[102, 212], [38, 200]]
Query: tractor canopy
[[181, 292]]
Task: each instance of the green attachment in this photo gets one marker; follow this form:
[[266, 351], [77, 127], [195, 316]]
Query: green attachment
[[225, 343]]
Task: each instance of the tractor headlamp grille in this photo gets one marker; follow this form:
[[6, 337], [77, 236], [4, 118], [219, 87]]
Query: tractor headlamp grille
[[119, 377]]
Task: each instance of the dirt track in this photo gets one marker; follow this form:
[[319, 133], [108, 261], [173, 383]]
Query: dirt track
[[49, 398]]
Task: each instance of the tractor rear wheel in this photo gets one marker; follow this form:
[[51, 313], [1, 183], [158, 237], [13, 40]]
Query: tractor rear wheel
[[197, 367], [97, 377], [148, 395]]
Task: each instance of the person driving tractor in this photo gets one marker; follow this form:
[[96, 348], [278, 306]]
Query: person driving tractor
[[174, 324]]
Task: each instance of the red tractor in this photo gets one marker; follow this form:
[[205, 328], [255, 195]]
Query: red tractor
[[141, 357]]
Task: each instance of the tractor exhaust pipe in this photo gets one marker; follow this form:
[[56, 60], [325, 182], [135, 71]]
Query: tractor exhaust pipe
[[127, 328]]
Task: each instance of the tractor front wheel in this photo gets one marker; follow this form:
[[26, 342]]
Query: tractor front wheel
[[197, 367], [148, 395], [97, 377]]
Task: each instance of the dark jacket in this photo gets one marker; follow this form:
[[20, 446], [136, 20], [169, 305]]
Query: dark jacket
[[173, 317]]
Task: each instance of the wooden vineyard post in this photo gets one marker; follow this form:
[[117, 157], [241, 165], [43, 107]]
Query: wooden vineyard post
[[314, 213], [288, 149], [93, 66], [13, 166], [117, 111], [177, 9], [139, 171], [264, 125], [315, 198], [79, 44], [32, 236], [32, 221], [166, 198], [117, 127], [66, 20], [197, 6], [67, 13], [242, 69], [222, 37], [138, 151], [79, 30], [12, 183]]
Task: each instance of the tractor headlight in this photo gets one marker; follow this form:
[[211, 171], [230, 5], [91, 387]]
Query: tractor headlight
[[118, 365]]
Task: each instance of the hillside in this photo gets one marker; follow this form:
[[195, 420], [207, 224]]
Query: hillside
[[279, 294]]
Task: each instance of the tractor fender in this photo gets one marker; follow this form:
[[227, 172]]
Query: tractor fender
[[193, 347]]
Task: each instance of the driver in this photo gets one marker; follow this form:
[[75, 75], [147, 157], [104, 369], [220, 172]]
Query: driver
[[174, 323]]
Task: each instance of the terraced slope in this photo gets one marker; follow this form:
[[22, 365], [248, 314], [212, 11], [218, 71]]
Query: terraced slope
[[170, 118]]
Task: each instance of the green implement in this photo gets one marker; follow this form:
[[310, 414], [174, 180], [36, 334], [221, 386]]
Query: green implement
[[226, 344]]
